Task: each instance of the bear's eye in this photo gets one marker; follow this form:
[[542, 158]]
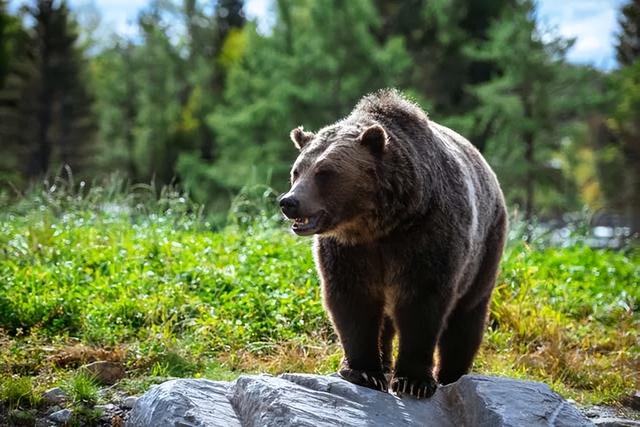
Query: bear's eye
[[295, 174]]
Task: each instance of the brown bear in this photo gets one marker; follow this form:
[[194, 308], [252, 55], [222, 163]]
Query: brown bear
[[409, 223]]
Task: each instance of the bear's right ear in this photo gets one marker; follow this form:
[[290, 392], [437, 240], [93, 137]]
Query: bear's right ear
[[300, 138], [374, 138]]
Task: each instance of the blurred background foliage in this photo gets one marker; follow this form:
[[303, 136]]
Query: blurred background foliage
[[204, 98]]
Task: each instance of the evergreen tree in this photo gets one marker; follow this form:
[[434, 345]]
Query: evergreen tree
[[154, 96], [5, 48], [530, 101], [616, 136], [63, 119], [217, 42], [320, 59], [46, 102], [211, 38], [161, 92], [625, 120], [436, 33], [628, 45], [116, 88], [16, 97]]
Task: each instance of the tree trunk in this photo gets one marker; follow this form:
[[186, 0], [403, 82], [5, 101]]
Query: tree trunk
[[529, 157], [41, 154], [529, 185], [130, 115]]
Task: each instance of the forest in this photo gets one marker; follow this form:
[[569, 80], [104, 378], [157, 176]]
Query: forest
[[139, 174], [203, 98]]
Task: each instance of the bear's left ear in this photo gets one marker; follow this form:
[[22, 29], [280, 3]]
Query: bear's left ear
[[375, 138], [300, 138]]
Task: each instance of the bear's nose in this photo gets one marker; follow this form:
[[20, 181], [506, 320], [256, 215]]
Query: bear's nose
[[289, 206]]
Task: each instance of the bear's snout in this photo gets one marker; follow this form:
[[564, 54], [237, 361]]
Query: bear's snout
[[290, 207]]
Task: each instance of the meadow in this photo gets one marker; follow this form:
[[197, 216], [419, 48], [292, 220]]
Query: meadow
[[137, 275]]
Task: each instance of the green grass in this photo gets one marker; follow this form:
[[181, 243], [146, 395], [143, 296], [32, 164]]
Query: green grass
[[19, 392], [137, 276], [82, 388]]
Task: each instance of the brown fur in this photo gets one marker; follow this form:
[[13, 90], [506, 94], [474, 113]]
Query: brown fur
[[410, 224]]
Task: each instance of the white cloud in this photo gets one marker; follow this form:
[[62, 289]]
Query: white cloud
[[593, 23]]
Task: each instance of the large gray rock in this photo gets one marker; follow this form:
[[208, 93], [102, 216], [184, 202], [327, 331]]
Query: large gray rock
[[185, 403], [315, 401]]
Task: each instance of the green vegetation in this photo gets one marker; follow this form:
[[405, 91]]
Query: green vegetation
[[199, 94], [202, 97], [100, 275], [82, 389], [18, 392]]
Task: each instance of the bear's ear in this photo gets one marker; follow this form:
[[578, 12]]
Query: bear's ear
[[375, 138], [300, 138]]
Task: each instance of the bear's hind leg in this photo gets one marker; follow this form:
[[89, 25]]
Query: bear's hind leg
[[386, 345], [419, 321], [462, 336], [460, 341]]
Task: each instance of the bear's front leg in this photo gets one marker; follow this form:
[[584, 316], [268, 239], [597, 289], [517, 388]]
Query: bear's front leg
[[419, 320], [355, 302], [357, 318]]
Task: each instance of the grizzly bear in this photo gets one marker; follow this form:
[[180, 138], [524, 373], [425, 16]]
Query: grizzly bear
[[409, 223]]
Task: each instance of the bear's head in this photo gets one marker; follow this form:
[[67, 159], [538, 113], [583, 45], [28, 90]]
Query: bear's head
[[334, 184]]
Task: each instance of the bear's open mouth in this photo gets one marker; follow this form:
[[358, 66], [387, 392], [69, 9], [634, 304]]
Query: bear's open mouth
[[307, 225]]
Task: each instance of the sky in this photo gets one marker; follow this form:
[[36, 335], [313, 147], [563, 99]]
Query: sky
[[593, 23]]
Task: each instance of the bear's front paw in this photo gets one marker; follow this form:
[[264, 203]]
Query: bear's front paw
[[416, 387], [370, 379]]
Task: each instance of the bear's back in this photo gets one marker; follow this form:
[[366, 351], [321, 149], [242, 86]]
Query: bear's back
[[446, 167]]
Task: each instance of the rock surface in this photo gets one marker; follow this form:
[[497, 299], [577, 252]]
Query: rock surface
[[615, 422], [130, 402], [62, 416], [54, 396], [607, 416], [314, 400]]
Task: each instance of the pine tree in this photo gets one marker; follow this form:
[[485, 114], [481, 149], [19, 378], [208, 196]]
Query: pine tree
[[436, 34], [154, 94], [217, 42], [210, 38], [5, 48], [528, 101], [625, 120], [161, 92], [628, 45], [321, 57], [45, 100], [63, 120], [116, 88], [16, 96]]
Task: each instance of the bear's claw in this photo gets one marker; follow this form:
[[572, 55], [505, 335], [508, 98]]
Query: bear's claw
[[373, 380], [418, 388]]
